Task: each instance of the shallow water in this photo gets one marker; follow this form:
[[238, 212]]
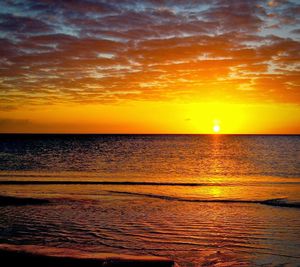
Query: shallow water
[[201, 200]]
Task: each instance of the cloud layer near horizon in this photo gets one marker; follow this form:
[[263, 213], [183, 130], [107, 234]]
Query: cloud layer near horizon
[[111, 51]]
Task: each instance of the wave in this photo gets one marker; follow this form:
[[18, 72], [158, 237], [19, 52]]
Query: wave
[[280, 202], [277, 202], [21, 201], [144, 183], [7, 182]]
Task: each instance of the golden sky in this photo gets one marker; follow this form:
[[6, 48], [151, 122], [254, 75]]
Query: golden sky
[[150, 66]]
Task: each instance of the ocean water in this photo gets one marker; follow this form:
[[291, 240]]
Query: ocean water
[[202, 200]]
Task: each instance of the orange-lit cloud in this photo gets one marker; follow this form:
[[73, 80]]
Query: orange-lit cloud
[[56, 53]]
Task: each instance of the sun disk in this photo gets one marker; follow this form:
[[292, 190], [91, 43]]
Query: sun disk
[[216, 128]]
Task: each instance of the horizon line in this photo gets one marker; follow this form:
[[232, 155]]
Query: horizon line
[[75, 133]]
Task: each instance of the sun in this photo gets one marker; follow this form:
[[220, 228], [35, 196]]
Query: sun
[[216, 128]]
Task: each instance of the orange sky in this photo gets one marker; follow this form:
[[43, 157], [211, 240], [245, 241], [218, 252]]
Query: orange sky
[[150, 66]]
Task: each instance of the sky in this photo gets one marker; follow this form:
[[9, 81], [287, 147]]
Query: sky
[[177, 66]]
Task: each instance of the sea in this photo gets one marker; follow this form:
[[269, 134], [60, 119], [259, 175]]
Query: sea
[[201, 200]]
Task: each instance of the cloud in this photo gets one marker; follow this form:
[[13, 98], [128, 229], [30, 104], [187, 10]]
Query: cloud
[[296, 31], [113, 51], [15, 125], [20, 24], [236, 15]]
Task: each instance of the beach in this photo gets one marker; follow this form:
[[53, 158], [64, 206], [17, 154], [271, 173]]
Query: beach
[[146, 133], [121, 197]]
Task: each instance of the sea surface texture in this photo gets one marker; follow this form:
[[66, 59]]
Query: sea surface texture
[[202, 200]]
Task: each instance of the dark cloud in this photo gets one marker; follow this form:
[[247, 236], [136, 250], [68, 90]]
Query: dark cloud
[[22, 25], [236, 15], [296, 31]]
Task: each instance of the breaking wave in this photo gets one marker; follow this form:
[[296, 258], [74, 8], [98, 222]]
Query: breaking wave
[[277, 202]]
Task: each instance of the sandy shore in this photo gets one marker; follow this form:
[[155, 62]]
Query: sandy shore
[[36, 256]]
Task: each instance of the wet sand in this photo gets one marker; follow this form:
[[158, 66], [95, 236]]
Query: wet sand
[[36, 256], [32, 255]]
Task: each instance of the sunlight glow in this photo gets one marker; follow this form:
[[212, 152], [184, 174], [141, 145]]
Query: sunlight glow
[[199, 78]]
